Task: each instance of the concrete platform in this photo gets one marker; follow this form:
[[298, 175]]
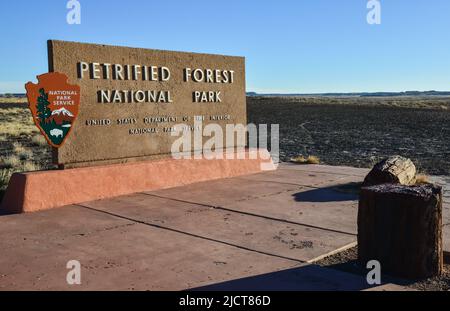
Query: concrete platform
[[42, 190], [254, 232]]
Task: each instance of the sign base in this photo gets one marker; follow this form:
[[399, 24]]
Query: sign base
[[36, 191]]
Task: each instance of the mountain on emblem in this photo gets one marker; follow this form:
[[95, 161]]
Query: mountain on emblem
[[62, 111], [54, 105]]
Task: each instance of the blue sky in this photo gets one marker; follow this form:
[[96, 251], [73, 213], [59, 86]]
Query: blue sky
[[298, 46]]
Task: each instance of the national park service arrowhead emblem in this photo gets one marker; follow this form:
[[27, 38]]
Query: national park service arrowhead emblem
[[54, 105]]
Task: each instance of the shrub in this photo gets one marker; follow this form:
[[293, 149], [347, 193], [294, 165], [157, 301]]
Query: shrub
[[302, 160], [22, 152]]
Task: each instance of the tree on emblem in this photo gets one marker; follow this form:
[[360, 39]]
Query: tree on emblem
[[43, 111]]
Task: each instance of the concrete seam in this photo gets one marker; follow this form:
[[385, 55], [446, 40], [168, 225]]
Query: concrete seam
[[250, 214], [190, 234], [273, 181], [328, 173]]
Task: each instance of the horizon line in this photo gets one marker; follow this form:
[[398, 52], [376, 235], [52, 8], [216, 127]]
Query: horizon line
[[411, 92]]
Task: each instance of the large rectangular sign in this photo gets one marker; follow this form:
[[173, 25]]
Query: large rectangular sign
[[132, 100]]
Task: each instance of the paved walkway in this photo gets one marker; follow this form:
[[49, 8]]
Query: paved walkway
[[247, 233]]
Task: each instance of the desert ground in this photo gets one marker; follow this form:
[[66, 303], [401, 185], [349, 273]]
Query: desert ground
[[354, 131], [359, 131]]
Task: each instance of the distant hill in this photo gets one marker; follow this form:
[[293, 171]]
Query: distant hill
[[252, 94], [363, 94], [13, 95]]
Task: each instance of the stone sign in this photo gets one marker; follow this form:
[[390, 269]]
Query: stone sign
[[134, 102]]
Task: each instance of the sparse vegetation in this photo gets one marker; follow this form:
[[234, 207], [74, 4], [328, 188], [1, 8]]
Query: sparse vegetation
[[11, 162], [39, 140], [422, 179], [13, 100], [30, 166], [5, 175], [22, 147], [16, 121], [22, 152], [305, 160]]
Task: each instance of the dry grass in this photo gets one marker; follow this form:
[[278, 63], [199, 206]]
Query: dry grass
[[302, 160], [16, 121], [5, 175], [39, 140], [22, 146], [11, 161], [30, 166], [422, 179], [13, 100], [22, 152]]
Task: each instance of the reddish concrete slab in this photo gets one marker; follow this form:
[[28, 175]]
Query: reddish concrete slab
[[320, 207], [332, 204], [117, 255], [287, 174], [259, 234], [52, 225], [219, 192], [318, 168]]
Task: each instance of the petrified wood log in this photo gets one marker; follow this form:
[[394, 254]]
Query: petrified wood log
[[401, 227], [395, 169]]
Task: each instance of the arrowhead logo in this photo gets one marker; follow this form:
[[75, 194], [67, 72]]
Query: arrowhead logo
[[54, 105]]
